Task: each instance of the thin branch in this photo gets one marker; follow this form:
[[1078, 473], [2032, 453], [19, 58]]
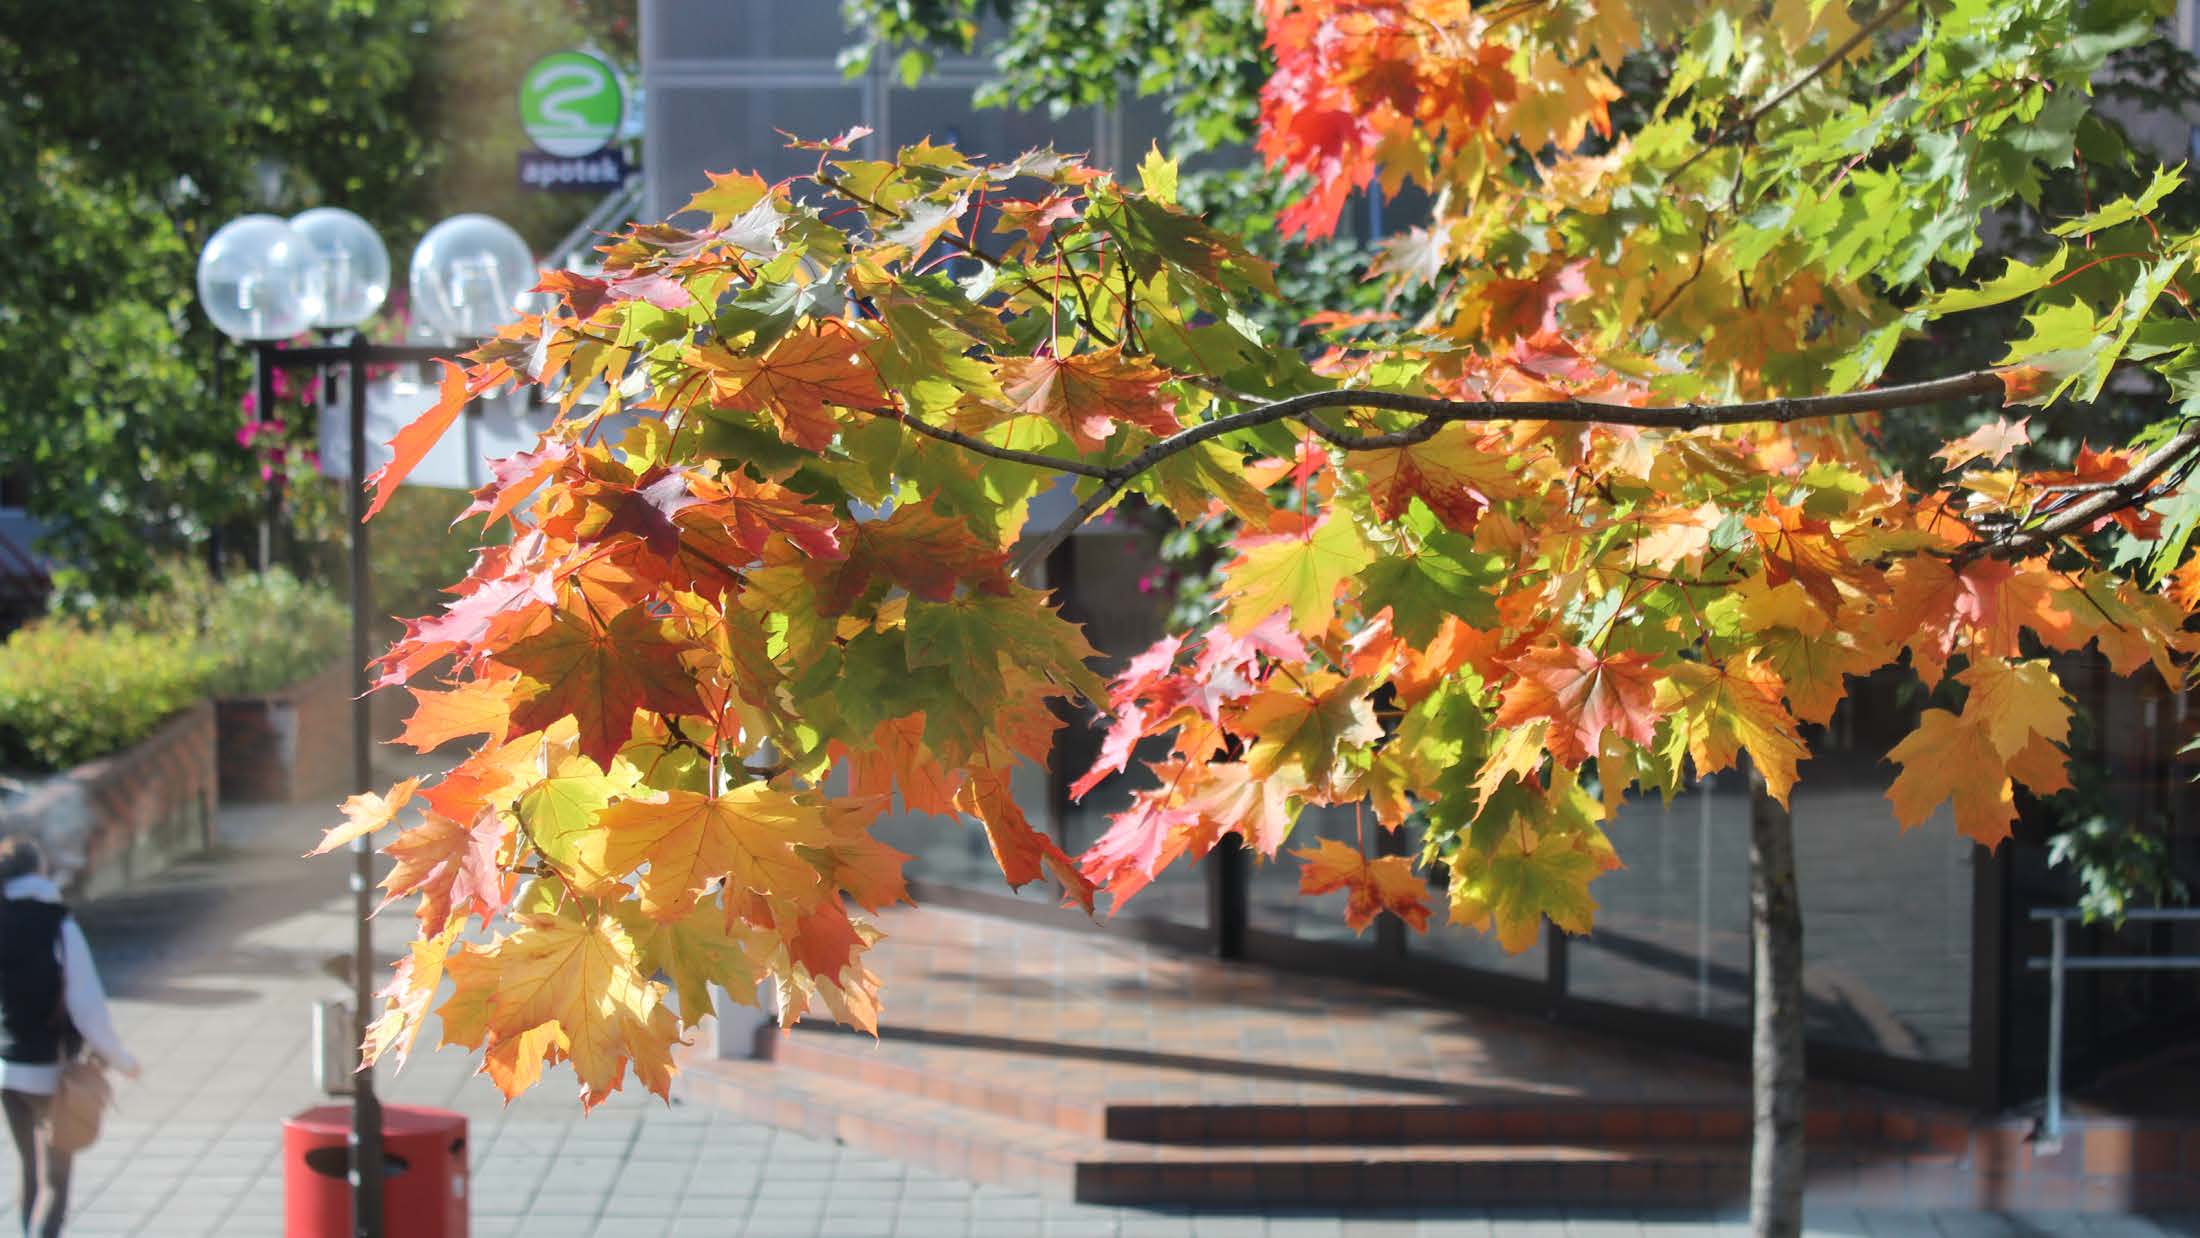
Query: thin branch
[[2135, 488], [983, 448], [1437, 413], [1749, 123], [949, 235]]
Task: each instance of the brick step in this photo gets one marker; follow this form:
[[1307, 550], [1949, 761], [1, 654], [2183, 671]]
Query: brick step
[[989, 1147], [1402, 1119]]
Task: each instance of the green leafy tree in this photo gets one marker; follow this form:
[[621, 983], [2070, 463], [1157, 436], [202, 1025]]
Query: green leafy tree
[[134, 130]]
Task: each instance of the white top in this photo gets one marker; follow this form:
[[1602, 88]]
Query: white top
[[81, 993]]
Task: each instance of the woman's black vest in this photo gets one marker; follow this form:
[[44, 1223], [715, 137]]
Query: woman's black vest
[[32, 1022]]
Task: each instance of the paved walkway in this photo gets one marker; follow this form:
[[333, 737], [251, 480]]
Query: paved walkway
[[216, 965]]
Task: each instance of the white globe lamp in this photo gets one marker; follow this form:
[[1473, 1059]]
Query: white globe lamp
[[258, 280], [469, 276], [353, 264]]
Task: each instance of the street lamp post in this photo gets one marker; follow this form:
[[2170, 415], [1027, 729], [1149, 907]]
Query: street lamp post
[[261, 281]]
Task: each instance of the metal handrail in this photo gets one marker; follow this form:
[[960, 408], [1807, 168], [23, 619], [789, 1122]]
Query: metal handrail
[[2058, 963]]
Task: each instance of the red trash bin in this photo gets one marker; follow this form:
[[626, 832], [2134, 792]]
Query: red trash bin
[[423, 1164]]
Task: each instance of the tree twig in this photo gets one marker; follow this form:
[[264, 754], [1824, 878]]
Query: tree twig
[[1839, 54], [1436, 413], [983, 448], [2133, 489]]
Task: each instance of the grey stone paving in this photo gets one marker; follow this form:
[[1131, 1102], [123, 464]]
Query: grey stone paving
[[216, 966]]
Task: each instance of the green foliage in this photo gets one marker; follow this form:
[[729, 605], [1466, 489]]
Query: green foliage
[[2117, 866], [70, 693], [1202, 57], [260, 632], [137, 129]]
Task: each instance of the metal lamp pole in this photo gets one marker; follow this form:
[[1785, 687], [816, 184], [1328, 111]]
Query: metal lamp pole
[[366, 1109], [262, 279]]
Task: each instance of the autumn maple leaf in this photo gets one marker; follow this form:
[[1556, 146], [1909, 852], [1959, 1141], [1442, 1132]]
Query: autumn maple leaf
[[1724, 709], [600, 674], [687, 839], [1375, 886], [1585, 694], [412, 444], [565, 987], [1989, 442], [1458, 473], [452, 866], [1089, 394], [808, 371], [365, 813]]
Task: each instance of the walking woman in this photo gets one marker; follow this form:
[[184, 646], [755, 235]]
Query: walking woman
[[49, 996]]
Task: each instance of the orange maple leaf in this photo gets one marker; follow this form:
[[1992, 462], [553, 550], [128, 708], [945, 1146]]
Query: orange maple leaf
[[1385, 884], [412, 444], [1089, 394], [451, 866], [1022, 852], [2022, 384], [365, 813], [599, 675], [476, 707], [811, 369], [1585, 694], [1950, 760]]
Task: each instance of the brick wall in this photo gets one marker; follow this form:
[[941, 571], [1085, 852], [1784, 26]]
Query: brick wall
[[112, 821], [290, 745]]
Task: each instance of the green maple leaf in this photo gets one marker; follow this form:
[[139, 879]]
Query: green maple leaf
[[695, 953], [972, 635], [558, 809], [1442, 574], [1189, 481], [1297, 572]]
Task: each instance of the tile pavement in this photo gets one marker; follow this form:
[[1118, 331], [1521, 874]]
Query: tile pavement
[[215, 965]]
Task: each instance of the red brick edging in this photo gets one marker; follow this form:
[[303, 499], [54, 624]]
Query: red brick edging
[[111, 821]]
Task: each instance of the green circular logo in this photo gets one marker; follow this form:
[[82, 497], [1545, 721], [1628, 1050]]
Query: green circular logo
[[570, 104]]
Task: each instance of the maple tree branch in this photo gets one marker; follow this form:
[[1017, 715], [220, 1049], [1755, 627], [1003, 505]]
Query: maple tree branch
[[968, 443], [1436, 413], [2135, 488], [1749, 123]]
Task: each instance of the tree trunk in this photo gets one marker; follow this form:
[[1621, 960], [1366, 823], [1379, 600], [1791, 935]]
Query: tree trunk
[[1776, 1040]]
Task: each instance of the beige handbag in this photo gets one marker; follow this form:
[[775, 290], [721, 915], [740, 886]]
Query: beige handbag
[[79, 1103]]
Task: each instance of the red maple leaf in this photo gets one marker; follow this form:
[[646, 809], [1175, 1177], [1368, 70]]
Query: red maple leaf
[[600, 674]]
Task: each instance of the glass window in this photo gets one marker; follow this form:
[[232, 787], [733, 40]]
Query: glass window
[[1672, 927], [710, 128], [743, 30], [1274, 904], [1886, 915]]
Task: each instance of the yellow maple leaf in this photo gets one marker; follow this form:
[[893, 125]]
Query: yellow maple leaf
[[1720, 710], [1290, 571], [747, 835], [1952, 760], [582, 977]]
